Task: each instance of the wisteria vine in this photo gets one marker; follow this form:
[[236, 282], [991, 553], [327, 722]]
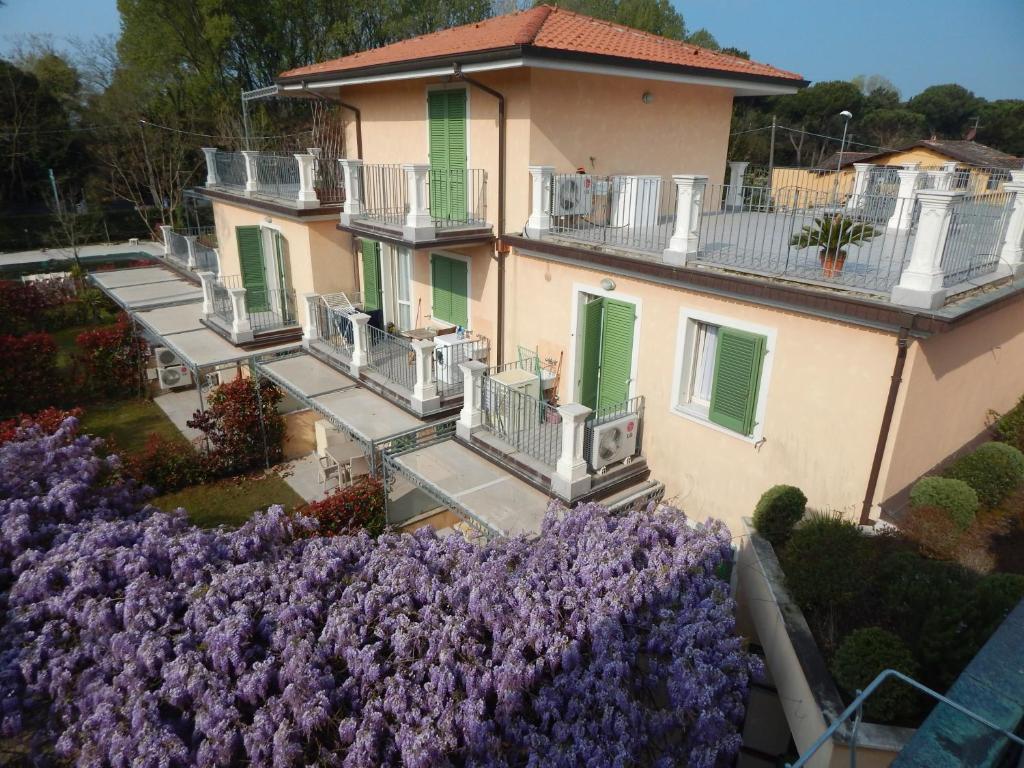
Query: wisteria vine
[[135, 639]]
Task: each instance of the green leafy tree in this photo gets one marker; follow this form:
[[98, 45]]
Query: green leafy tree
[[946, 108], [892, 127], [1001, 125], [816, 111]]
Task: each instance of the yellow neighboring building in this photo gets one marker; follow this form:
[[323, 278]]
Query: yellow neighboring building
[[557, 185]]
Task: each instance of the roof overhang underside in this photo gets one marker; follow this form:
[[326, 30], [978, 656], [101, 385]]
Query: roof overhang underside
[[517, 57]]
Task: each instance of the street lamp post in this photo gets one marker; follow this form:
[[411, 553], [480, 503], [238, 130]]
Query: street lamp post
[[846, 115]]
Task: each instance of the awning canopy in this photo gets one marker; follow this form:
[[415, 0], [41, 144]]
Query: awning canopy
[[208, 349], [174, 319], [146, 287], [487, 496]]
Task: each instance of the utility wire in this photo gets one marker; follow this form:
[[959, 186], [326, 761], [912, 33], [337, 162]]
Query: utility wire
[[9, 133], [811, 133]]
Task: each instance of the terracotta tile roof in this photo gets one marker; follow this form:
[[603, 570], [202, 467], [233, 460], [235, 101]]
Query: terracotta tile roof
[[544, 27]]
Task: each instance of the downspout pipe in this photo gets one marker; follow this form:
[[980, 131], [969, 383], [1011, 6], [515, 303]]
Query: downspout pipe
[[457, 74], [902, 345]]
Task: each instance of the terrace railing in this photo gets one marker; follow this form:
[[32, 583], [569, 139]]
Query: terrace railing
[[229, 169], [528, 424], [629, 212], [457, 196], [448, 357], [176, 245], [385, 194], [265, 308], [977, 228], [393, 357], [303, 180], [760, 232], [222, 309]]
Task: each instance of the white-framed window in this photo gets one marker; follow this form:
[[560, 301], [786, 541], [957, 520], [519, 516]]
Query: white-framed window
[[722, 371]]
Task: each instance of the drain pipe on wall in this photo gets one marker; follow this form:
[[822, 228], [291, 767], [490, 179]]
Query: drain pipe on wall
[[457, 74], [902, 344]]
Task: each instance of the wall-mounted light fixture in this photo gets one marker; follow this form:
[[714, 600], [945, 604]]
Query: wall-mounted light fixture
[[608, 284], [647, 97]]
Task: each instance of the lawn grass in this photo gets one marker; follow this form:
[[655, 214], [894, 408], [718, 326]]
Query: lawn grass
[[126, 424], [65, 341], [230, 502]]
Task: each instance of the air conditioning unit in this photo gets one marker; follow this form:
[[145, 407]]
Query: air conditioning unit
[[572, 195], [613, 441], [450, 351], [165, 357], [173, 376], [636, 201]]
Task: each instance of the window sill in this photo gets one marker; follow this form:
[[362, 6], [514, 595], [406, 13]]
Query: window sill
[[699, 415]]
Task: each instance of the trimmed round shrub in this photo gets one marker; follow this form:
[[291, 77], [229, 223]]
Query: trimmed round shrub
[[827, 563], [861, 657], [993, 470], [934, 532], [954, 496], [1009, 427], [777, 512]]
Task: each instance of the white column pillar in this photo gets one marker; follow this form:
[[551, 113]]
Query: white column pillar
[[190, 241], [1012, 252], [307, 193], [471, 417], [360, 351], [241, 330], [352, 173], [682, 247], [734, 197], [207, 280], [252, 183], [165, 232], [571, 477], [418, 223], [921, 282], [903, 216], [216, 257], [309, 328], [861, 172], [542, 178], [212, 179], [314, 151], [424, 390]]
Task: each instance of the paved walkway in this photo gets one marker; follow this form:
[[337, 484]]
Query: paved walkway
[[179, 407]]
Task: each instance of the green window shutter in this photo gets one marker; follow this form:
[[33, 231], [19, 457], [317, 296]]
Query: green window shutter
[[738, 362], [446, 114], [459, 292], [437, 114], [251, 264], [441, 283], [457, 155], [590, 362], [371, 275], [616, 352]]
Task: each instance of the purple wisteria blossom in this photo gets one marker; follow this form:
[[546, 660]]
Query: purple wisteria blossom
[[141, 640]]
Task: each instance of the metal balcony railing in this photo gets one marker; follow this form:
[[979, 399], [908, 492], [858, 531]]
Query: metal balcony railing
[[454, 197], [266, 308], [230, 170], [976, 231], [385, 194], [457, 197], [391, 356], [528, 424], [222, 309], [277, 176], [448, 357]]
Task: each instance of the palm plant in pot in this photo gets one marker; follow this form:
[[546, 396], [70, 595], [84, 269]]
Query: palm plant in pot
[[832, 235]]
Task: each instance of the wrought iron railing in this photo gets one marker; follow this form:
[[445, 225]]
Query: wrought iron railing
[[629, 212], [448, 357], [333, 328], [457, 196], [527, 423], [277, 176], [385, 193], [266, 308], [222, 309], [976, 231], [391, 356], [177, 248], [632, 408], [328, 180], [231, 171], [206, 258], [759, 233]]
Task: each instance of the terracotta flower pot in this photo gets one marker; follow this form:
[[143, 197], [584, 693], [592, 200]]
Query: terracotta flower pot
[[831, 262]]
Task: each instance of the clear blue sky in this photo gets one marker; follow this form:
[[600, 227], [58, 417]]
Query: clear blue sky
[[915, 43]]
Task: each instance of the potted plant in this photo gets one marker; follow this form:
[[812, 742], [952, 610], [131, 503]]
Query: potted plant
[[832, 234]]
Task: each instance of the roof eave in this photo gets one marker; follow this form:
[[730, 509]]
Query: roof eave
[[540, 57]]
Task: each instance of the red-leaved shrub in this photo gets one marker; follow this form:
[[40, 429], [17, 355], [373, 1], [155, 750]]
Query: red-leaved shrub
[[28, 378], [47, 420], [22, 306], [166, 465], [112, 360], [232, 424], [350, 509]]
